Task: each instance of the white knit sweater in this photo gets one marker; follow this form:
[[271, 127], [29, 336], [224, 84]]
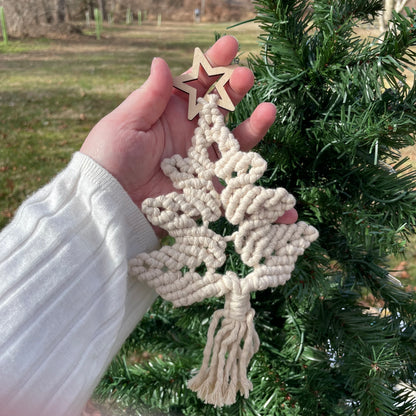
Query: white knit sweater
[[66, 303]]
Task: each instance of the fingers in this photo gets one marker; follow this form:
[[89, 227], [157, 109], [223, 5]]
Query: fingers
[[223, 51], [241, 81], [252, 130], [145, 105], [221, 54], [289, 217]]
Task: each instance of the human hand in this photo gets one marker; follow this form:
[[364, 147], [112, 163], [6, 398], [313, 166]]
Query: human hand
[[152, 124]]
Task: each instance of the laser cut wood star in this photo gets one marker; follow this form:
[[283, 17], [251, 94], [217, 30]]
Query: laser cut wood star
[[199, 61]]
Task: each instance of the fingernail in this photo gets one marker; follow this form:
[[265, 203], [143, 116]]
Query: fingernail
[[234, 38], [153, 63]]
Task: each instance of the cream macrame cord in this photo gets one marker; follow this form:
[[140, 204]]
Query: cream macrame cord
[[270, 249]]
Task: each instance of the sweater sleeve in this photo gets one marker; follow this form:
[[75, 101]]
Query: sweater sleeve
[[66, 302]]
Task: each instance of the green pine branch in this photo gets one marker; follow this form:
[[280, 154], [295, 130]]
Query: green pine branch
[[339, 338]]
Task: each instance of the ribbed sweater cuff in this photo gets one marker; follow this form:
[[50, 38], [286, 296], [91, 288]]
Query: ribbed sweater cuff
[[141, 235]]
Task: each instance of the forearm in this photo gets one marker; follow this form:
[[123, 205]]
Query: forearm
[[66, 303]]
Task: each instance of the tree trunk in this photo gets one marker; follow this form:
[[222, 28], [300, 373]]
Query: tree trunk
[[47, 14], [60, 11], [386, 14], [388, 10], [103, 9]]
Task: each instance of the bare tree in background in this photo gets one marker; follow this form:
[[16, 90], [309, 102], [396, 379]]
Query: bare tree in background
[[386, 15], [102, 7], [21, 15], [34, 17], [60, 11], [47, 11]]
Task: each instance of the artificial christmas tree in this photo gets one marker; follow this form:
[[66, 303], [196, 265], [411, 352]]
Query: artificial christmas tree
[[345, 109]]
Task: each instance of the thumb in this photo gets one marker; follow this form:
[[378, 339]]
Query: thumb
[[145, 105]]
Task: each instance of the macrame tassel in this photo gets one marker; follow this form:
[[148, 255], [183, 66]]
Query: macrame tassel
[[227, 353]]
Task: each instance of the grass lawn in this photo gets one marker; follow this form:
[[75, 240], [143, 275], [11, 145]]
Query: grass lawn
[[52, 92]]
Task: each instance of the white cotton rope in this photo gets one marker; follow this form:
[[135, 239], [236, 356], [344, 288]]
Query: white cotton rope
[[270, 249]]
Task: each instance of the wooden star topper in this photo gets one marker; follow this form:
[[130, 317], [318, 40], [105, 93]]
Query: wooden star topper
[[181, 81]]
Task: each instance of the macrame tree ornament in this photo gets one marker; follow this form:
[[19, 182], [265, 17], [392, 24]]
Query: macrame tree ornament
[[268, 248]]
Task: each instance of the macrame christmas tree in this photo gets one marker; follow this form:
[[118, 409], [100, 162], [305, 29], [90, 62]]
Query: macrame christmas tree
[[268, 248]]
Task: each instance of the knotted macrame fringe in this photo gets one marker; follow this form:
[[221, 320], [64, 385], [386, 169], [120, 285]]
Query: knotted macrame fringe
[[227, 354], [270, 249]]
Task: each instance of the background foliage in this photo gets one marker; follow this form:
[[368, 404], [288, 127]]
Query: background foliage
[[340, 336], [37, 17]]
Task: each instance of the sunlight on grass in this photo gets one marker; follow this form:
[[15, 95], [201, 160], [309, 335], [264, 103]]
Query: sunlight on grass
[[54, 91], [20, 46]]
